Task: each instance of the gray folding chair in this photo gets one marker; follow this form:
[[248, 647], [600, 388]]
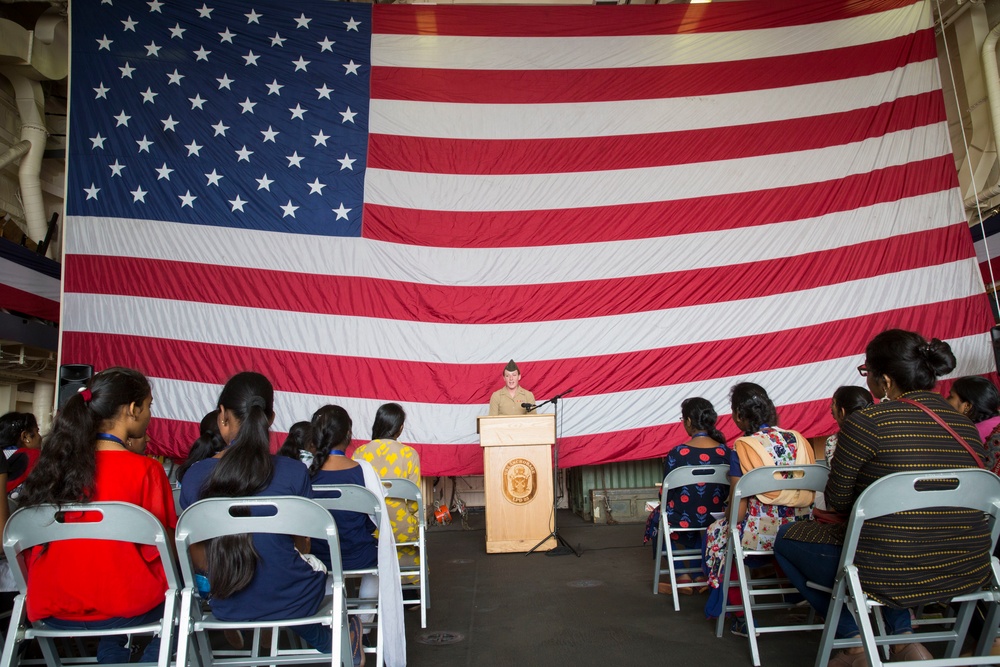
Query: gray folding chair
[[967, 488], [176, 493], [115, 521], [293, 515], [716, 474], [407, 491], [763, 480], [354, 498]]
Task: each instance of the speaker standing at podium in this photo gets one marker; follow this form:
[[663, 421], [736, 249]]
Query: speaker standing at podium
[[508, 399]]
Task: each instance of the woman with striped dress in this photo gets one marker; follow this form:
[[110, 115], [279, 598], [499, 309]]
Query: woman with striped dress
[[905, 559]]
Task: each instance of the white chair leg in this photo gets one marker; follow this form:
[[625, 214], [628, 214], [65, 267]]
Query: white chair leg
[[658, 558], [857, 598], [724, 585]]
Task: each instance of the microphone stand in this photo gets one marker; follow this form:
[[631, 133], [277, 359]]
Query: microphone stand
[[563, 548]]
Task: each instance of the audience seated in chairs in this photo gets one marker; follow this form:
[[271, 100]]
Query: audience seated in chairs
[[256, 577], [298, 444], [764, 444], [22, 446], [392, 459], [209, 444], [87, 584], [692, 505], [331, 426], [978, 399], [899, 434]]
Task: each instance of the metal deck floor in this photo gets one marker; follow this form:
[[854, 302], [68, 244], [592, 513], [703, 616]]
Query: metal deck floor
[[598, 609]]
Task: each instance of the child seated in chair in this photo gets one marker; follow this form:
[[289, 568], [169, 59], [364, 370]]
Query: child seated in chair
[[97, 584]]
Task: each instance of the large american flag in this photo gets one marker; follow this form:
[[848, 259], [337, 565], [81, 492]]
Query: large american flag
[[638, 203]]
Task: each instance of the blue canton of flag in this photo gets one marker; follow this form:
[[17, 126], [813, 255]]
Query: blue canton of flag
[[219, 114]]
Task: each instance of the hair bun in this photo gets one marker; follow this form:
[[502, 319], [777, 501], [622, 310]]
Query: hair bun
[[938, 355], [256, 402]]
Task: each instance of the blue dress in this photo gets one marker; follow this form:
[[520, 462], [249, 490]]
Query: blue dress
[[358, 547], [691, 505], [283, 585]]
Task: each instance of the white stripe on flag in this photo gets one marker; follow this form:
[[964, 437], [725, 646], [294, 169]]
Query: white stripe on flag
[[604, 413], [319, 255], [476, 344], [535, 192]]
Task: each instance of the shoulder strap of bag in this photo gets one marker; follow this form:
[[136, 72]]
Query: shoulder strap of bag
[[935, 417]]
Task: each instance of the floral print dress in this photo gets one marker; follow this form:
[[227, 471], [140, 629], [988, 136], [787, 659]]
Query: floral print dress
[[762, 521], [691, 505], [393, 460]]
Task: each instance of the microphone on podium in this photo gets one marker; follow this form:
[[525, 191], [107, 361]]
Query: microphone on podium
[[527, 406]]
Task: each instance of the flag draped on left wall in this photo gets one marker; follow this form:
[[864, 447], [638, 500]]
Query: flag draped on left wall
[[385, 203]]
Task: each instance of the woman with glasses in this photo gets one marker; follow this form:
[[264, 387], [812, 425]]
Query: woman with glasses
[[907, 559]]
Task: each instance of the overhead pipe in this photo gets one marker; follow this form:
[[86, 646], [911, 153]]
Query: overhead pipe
[[35, 55], [14, 153], [30, 106], [991, 76]]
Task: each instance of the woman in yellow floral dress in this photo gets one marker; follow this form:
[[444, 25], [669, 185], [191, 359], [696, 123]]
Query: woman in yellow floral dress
[[394, 460]]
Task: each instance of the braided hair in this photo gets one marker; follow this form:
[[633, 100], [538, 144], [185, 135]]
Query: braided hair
[[752, 405], [331, 427], [703, 417]]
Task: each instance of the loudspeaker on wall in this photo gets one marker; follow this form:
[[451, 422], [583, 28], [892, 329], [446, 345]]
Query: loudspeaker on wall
[[72, 378]]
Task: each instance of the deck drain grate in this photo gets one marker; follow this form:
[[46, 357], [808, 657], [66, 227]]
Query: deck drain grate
[[440, 638], [585, 583]]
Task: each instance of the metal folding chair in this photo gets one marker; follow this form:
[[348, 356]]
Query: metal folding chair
[[175, 491], [763, 480], [354, 498], [716, 474], [408, 492], [967, 488], [293, 515], [116, 521]]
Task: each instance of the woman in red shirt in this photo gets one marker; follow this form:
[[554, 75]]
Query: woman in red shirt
[[99, 584]]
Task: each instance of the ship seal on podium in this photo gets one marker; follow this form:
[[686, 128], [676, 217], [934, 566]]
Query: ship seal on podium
[[519, 481]]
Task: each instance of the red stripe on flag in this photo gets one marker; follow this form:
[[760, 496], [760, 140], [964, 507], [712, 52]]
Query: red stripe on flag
[[370, 297], [173, 438], [645, 83], [421, 382], [518, 229], [589, 21], [544, 156]]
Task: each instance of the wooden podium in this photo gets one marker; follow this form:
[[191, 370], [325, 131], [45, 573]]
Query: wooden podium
[[517, 476]]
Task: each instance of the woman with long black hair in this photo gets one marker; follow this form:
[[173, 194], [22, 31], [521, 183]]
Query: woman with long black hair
[[97, 584], [255, 577]]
